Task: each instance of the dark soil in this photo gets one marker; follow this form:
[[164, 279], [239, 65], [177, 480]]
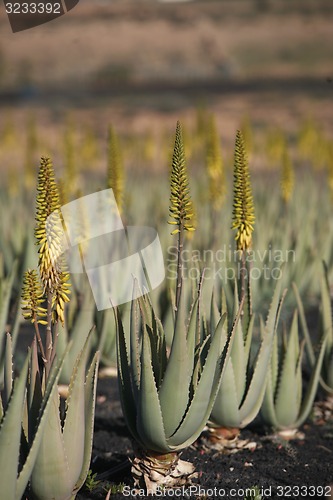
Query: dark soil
[[283, 469]]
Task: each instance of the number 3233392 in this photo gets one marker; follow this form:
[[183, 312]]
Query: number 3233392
[[33, 8]]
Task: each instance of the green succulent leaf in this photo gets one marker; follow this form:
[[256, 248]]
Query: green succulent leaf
[[312, 387], [287, 397], [206, 390], [305, 330], [134, 344], [124, 379], [256, 390], [149, 416], [226, 407], [174, 390], [89, 412], [237, 359], [51, 471], [192, 335], [10, 437], [78, 334], [51, 392]]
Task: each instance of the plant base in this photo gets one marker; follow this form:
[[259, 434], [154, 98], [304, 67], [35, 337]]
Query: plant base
[[323, 411], [285, 435], [226, 440], [152, 471]]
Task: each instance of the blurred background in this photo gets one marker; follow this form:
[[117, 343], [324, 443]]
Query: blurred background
[[143, 64]]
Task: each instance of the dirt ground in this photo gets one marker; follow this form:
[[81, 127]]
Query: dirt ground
[[277, 467]]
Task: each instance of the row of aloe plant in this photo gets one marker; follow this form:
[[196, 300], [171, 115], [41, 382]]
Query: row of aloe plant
[[313, 241], [45, 445], [167, 398], [208, 375]]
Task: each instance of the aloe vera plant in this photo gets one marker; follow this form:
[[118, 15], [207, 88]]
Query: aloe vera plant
[[167, 399], [285, 407], [242, 388], [63, 458], [326, 328], [62, 463], [17, 464]]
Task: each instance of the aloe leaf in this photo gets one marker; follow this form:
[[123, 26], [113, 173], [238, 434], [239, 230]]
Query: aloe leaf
[[90, 399], [50, 475], [225, 411], [312, 387], [214, 312], [256, 390], [204, 396], [78, 335], [305, 330], [174, 390], [73, 429], [8, 370], [149, 416], [192, 335], [10, 437], [14, 330], [48, 398], [248, 338], [268, 408], [299, 378], [237, 357], [286, 401], [134, 344], [162, 351], [34, 396], [275, 364], [326, 314], [124, 379], [326, 308], [107, 337]]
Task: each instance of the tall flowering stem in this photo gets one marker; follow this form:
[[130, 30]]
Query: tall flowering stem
[[181, 209], [51, 286], [243, 207], [32, 300]]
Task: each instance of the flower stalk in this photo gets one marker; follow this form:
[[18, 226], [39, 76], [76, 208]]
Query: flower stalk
[[243, 207], [51, 286], [181, 209]]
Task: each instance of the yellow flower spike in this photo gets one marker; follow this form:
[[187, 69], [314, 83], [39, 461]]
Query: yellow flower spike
[[181, 209], [243, 211], [60, 297], [47, 202], [32, 297]]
